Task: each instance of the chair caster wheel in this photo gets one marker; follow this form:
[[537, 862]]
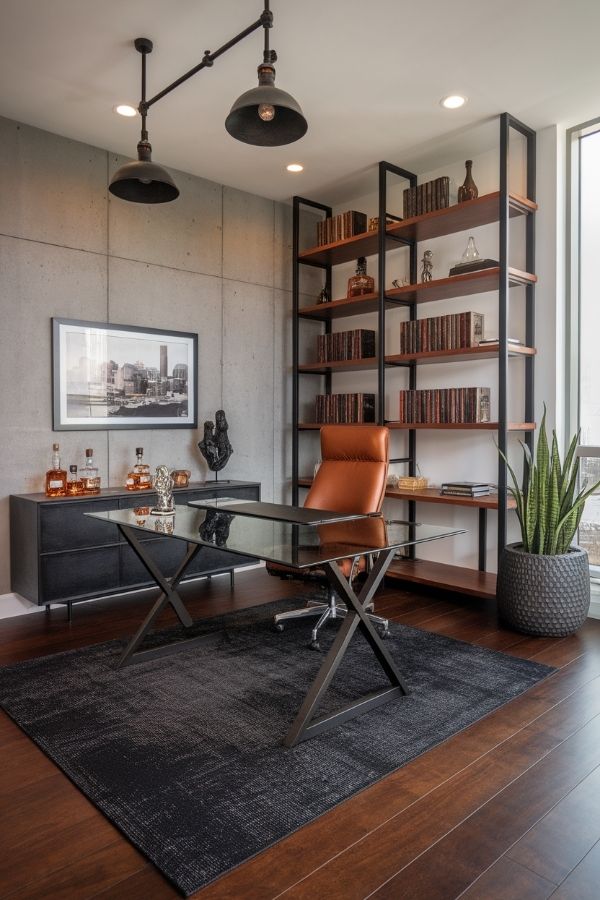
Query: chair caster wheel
[[278, 626], [314, 645]]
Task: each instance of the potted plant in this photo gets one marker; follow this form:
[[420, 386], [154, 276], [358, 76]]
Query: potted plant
[[544, 580]]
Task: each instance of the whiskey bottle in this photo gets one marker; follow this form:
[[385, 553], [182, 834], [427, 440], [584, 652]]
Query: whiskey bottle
[[89, 475], [361, 283], [74, 484], [56, 478], [139, 478]]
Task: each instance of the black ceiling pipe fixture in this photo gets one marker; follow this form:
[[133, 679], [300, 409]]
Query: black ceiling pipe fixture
[[264, 116]]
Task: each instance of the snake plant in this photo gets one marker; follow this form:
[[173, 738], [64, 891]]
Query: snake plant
[[549, 502]]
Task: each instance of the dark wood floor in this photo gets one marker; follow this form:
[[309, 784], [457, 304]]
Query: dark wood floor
[[508, 808]]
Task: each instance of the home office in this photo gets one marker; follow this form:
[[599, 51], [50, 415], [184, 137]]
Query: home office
[[303, 661]]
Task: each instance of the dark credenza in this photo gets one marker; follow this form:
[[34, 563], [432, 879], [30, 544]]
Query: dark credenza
[[58, 555]]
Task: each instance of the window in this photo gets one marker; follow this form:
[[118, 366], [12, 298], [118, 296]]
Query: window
[[585, 268]]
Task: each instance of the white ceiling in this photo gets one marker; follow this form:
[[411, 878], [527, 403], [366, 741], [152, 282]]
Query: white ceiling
[[369, 76]]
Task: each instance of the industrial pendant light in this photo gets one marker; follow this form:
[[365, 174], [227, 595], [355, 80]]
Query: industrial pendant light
[[264, 116], [143, 181]]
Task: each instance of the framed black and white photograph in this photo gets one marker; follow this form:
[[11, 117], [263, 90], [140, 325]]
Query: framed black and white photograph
[[122, 376]]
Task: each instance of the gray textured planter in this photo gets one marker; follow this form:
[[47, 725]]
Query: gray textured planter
[[543, 595]]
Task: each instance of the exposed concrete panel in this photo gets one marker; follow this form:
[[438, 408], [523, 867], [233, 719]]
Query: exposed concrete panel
[[38, 281], [248, 381], [248, 237], [184, 234], [53, 189]]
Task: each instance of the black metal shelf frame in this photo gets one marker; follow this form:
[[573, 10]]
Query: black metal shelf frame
[[386, 169]]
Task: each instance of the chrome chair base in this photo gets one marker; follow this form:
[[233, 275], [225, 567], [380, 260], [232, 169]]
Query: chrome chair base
[[333, 609]]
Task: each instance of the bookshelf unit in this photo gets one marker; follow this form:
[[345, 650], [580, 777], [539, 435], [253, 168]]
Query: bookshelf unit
[[495, 207]]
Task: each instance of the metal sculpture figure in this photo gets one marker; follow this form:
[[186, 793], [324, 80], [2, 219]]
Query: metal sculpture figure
[[427, 266], [163, 484], [215, 446]]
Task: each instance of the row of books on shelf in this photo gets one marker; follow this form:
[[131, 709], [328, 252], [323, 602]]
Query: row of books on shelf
[[451, 332], [344, 408], [340, 227], [427, 197], [341, 346], [466, 488], [445, 406]]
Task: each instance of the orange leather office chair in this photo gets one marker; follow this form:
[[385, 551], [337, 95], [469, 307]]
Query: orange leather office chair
[[351, 479]]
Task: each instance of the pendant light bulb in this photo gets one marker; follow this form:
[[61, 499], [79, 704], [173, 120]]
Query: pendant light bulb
[[266, 112]]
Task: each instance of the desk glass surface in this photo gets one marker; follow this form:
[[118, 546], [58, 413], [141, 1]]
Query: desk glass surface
[[299, 546], [279, 512]]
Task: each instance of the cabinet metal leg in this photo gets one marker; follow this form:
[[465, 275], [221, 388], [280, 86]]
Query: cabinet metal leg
[[232, 579], [70, 612]]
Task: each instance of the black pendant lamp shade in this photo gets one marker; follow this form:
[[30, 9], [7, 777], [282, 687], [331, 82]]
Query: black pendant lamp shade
[[266, 116], [143, 181]]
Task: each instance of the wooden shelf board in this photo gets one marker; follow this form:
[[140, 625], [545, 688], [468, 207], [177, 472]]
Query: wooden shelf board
[[450, 426], [351, 365], [482, 426], [486, 351], [432, 495], [460, 217], [346, 306], [459, 285], [442, 575]]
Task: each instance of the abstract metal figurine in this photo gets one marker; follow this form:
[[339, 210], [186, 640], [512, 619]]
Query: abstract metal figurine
[[215, 446], [427, 266], [163, 484], [215, 527]]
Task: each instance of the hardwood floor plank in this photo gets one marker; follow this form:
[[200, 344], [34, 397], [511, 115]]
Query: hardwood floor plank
[[147, 884], [559, 841], [507, 880], [454, 862], [583, 882]]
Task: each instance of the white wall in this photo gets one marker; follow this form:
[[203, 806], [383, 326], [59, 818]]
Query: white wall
[[217, 261]]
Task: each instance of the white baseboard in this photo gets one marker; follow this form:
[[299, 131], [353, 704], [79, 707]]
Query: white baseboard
[[594, 612], [15, 605]]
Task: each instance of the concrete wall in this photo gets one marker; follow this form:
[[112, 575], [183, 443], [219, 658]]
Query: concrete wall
[[215, 262]]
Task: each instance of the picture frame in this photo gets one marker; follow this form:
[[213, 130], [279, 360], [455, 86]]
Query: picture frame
[[107, 376]]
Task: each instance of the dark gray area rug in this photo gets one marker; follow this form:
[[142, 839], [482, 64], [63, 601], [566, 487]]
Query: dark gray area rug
[[183, 753]]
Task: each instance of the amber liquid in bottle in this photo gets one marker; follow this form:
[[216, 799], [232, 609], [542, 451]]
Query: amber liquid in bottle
[[89, 475], [361, 283], [139, 479], [74, 483], [56, 478]]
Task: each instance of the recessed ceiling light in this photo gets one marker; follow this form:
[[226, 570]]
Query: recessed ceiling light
[[295, 167], [454, 101], [123, 109]]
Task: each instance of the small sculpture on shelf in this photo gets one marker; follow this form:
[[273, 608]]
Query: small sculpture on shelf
[[400, 282], [427, 265], [468, 189], [324, 296], [215, 446], [163, 485]]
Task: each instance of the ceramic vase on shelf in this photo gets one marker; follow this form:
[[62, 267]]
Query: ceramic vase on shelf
[[468, 189]]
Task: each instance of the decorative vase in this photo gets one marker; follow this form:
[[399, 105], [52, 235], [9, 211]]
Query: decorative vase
[[542, 595], [468, 189]]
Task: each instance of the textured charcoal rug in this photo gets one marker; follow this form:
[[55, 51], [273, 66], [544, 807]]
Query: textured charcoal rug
[[183, 753]]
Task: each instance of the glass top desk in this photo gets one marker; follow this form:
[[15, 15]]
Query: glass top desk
[[287, 543]]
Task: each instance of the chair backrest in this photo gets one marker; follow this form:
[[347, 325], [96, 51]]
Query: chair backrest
[[353, 471]]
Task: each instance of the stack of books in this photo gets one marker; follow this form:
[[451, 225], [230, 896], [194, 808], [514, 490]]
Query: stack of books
[[465, 488], [451, 332], [344, 408], [445, 406], [346, 345], [340, 227], [427, 197]]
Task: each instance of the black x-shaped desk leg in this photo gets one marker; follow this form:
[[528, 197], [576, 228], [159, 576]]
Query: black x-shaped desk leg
[[169, 595], [304, 725]]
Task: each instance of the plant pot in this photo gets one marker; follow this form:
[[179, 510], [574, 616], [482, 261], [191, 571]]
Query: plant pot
[[543, 595]]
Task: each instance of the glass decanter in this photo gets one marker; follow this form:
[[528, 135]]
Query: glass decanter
[[139, 478], [361, 283]]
